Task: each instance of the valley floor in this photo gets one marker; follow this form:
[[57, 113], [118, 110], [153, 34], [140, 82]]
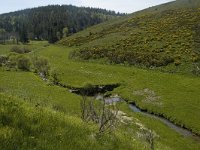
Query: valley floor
[[174, 96]]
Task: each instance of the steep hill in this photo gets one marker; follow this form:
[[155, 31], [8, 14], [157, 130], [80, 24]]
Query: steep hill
[[48, 22], [165, 35]]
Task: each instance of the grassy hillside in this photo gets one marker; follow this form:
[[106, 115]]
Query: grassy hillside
[[37, 113], [25, 126], [175, 91], [31, 98], [165, 36]]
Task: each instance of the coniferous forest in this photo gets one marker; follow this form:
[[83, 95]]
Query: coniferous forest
[[50, 22]]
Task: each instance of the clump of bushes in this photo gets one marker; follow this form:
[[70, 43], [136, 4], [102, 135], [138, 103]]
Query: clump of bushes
[[3, 59], [14, 60], [18, 61], [177, 60], [41, 66], [24, 63], [196, 69], [20, 50], [55, 76], [195, 57], [120, 56]]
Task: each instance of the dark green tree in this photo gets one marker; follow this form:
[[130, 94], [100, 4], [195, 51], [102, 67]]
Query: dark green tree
[[23, 34], [2, 36]]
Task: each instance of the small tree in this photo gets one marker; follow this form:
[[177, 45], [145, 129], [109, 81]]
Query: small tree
[[2, 36], [65, 32], [52, 35], [58, 34], [108, 116], [23, 34], [149, 136]]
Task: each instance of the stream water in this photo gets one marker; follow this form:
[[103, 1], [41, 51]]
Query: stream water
[[178, 129], [98, 91], [135, 109]]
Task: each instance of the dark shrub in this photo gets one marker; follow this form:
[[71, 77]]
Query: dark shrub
[[3, 59], [12, 60], [26, 50], [196, 69], [20, 50], [41, 66], [55, 76], [24, 63]]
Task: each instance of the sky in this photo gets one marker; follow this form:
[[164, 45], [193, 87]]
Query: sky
[[125, 6]]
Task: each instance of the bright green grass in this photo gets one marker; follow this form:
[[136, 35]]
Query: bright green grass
[[5, 49], [29, 86], [178, 94], [40, 93], [33, 45], [36, 115], [24, 126], [171, 88]]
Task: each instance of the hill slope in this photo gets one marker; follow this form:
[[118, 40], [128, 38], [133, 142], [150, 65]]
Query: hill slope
[[165, 35], [35, 115], [38, 103]]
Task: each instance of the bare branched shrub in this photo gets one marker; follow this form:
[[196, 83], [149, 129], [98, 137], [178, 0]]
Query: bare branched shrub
[[105, 115], [108, 116], [149, 136]]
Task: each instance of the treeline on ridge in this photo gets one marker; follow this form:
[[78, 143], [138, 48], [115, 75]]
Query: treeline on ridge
[[49, 22]]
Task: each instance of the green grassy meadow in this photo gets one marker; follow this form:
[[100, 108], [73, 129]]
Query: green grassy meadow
[[38, 102], [175, 91]]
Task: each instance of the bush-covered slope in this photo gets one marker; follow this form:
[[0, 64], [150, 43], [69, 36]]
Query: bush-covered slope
[[158, 36]]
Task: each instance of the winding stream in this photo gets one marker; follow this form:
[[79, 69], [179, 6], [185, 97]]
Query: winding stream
[[98, 93], [134, 108], [177, 128]]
